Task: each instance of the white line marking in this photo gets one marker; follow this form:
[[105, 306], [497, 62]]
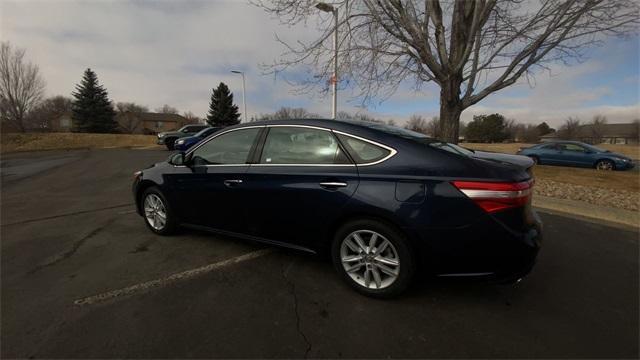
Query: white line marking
[[170, 279], [126, 212]]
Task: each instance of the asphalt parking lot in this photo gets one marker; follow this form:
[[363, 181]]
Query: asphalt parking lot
[[83, 278]]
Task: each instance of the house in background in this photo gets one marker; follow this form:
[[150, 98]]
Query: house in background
[[62, 123], [149, 123], [625, 134]]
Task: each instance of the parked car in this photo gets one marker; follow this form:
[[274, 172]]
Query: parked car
[[575, 153], [183, 144], [169, 138], [382, 201]]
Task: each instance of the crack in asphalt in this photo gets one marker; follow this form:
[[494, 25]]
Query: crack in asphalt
[[292, 290], [74, 248], [67, 214]]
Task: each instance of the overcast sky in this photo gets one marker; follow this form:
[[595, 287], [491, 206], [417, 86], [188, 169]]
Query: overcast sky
[[174, 52]]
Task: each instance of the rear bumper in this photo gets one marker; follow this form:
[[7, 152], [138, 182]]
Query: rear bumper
[[486, 249]]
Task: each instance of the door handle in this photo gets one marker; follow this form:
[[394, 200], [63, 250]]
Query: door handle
[[333, 184], [232, 183]]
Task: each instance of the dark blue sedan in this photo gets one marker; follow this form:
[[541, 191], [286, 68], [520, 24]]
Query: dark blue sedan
[[183, 144], [383, 202], [574, 153]]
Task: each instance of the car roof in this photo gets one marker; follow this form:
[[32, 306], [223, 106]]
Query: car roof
[[371, 130]]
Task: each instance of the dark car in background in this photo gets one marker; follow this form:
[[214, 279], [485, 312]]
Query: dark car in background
[[169, 138], [575, 153], [382, 201], [183, 144]]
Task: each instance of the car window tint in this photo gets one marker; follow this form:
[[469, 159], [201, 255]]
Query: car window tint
[[549, 147], [229, 148], [292, 145], [363, 151]]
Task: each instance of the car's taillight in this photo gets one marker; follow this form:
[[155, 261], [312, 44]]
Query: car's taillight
[[495, 196]]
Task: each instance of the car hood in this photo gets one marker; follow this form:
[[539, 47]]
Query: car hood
[[164, 134], [617, 155], [507, 159]]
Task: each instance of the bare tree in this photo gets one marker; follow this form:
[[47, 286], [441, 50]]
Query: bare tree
[[129, 116], [570, 129], [597, 128], [192, 118], [285, 113], [433, 128], [122, 107], [417, 123], [167, 109], [470, 49], [345, 115], [21, 86], [40, 118]]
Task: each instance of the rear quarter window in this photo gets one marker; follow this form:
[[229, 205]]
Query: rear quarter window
[[363, 152]]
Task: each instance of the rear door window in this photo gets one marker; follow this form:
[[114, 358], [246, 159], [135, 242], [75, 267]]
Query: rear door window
[[299, 145]]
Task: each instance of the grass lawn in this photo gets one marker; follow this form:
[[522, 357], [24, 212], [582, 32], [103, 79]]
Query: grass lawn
[[14, 142]]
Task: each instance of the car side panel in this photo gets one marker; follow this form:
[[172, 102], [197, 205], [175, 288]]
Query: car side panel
[[288, 204]]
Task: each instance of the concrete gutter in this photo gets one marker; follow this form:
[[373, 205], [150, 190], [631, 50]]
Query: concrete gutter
[[589, 211]]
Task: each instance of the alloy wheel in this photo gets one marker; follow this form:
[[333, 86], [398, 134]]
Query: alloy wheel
[[604, 165], [155, 211], [370, 259]]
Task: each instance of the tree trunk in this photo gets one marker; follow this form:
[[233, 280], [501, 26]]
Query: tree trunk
[[450, 110]]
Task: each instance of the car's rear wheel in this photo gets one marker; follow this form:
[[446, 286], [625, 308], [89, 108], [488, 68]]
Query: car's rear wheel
[[536, 160], [605, 165], [157, 212], [171, 142], [374, 258]]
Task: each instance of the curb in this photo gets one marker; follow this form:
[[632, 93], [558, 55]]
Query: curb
[[588, 210]]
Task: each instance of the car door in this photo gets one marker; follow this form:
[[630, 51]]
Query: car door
[[209, 188], [549, 154], [300, 182], [575, 155]]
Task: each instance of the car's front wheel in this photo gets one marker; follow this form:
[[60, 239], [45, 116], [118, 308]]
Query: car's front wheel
[[605, 165], [374, 258], [157, 212]]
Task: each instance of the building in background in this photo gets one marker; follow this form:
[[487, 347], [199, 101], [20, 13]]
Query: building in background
[[625, 134]]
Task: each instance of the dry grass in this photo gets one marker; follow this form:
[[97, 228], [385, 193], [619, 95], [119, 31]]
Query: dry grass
[[612, 180], [632, 151], [15, 142]]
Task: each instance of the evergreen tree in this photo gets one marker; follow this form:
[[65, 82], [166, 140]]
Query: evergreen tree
[[92, 109], [222, 111]]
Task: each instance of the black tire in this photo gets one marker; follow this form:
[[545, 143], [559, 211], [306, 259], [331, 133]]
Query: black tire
[[171, 225], [606, 165], [536, 160], [170, 143], [400, 245]]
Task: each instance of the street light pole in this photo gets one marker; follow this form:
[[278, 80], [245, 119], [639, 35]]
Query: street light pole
[[244, 97], [334, 79]]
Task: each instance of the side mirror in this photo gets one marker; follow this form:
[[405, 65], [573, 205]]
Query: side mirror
[[177, 159]]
